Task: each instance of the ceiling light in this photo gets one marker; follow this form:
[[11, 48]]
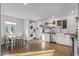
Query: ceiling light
[[72, 12], [7, 22], [25, 3], [53, 16]]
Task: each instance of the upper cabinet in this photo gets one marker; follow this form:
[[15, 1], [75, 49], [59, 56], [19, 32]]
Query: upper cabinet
[[62, 23]]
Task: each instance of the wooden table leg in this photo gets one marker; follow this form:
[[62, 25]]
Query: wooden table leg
[[73, 46]]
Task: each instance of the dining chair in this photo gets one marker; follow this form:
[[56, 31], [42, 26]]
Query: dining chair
[[19, 39], [9, 42], [24, 39]]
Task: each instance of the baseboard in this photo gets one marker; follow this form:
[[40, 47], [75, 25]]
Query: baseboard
[[63, 45], [58, 43]]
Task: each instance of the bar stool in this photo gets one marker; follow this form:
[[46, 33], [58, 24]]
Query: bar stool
[[53, 37]]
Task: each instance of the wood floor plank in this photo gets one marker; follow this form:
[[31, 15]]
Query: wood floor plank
[[38, 47]]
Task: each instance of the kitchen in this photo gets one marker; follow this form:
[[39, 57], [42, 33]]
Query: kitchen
[[46, 22]]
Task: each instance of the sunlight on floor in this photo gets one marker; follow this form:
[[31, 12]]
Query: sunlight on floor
[[36, 53]]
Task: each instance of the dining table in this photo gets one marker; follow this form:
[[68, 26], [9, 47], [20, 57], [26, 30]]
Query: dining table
[[13, 39]]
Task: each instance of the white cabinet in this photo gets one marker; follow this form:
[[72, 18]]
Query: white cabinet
[[45, 37], [63, 39]]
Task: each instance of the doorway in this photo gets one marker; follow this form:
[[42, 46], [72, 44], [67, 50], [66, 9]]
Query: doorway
[[32, 30]]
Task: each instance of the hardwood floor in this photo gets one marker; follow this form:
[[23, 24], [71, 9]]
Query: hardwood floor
[[38, 47]]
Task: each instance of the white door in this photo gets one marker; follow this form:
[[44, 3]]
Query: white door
[[32, 29]]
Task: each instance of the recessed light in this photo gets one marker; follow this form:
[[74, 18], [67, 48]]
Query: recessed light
[[72, 12], [25, 3], [53, 16]]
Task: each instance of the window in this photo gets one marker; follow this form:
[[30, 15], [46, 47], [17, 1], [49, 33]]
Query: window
[[9, 27]]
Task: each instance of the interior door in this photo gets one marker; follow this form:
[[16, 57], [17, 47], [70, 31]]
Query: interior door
[[32, 29]]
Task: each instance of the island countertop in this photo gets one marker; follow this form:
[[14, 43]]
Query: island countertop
[[50, 32]]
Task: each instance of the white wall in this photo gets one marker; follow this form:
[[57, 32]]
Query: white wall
[[0, 29], [72, 24], [0, 34], [26, 24], [19, 25], [78, 38]]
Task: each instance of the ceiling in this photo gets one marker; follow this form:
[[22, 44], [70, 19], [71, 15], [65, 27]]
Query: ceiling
[[39, 10]]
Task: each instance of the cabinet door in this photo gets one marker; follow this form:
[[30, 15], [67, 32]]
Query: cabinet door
[[59, 23], [64, 25]]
